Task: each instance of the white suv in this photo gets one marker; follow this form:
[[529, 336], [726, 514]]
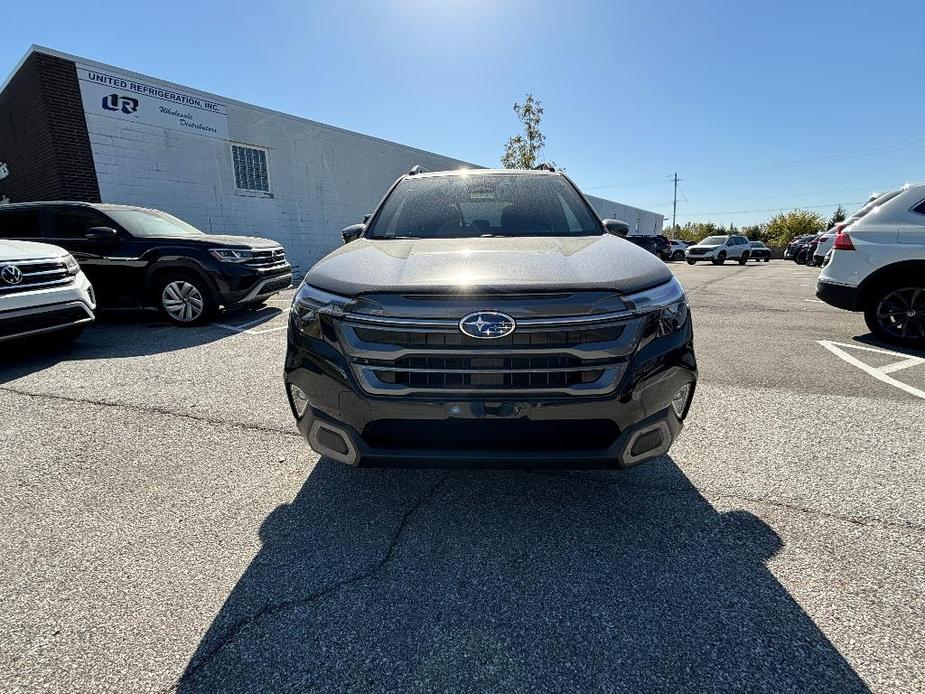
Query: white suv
[[42, 290], [877, 265], [719, 249]]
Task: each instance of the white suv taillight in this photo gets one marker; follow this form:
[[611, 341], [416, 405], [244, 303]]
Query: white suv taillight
[[843, 242]]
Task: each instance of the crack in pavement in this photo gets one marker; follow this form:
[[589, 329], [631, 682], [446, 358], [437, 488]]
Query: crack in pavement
[[151, 409], [371, 571]]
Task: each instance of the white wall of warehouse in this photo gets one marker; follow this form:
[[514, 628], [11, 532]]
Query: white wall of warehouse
[[322, 178]]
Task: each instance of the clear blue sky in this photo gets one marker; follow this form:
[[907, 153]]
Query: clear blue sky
[[758, 106]]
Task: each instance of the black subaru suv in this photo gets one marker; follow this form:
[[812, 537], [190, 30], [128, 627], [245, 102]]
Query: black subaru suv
[[488, 318], [136, 256]]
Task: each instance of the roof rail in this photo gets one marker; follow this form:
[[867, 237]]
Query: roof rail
[[416, 169], [545, 166]]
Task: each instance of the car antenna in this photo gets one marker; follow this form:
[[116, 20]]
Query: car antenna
[[416, 169]]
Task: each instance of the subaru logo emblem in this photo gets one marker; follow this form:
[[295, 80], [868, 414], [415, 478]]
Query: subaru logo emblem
[[487, 325], [11, 274]]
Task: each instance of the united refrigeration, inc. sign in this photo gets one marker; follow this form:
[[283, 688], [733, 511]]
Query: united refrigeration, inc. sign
[[120, 96]]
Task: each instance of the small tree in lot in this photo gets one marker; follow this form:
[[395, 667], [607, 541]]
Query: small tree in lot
[[784, 227], [523, 151]]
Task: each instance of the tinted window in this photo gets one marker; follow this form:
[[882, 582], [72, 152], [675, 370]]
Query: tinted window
[[73, 223], [475, 205], [920, 208], [15, 224]]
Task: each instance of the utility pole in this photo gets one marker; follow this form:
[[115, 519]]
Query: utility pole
[[674, 207]]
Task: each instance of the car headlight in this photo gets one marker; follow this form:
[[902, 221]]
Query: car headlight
[[668, 300], [310, 303], [73, 267], [231, 255]]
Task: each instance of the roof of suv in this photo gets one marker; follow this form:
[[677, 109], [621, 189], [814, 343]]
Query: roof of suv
[[469, 172], [75, 203]]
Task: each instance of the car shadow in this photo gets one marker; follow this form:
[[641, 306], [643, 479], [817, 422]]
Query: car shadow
[[123, 333], [403, 580]]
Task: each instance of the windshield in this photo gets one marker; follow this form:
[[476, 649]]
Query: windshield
[[757, 244], [151, 223], [714, 241], [473, 205]]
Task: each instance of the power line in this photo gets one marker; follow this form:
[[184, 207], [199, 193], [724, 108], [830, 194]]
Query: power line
[[771, 209]]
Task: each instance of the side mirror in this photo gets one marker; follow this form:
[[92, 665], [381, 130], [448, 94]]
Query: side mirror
[[101, 234], [616, 227], [352, 233]]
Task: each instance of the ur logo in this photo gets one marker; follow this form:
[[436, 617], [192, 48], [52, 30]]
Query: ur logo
[[11, 274], [487, 325], [116, 102]]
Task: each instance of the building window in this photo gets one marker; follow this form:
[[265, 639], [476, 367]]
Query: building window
[[250, 168]]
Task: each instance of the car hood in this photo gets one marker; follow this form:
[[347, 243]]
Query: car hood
[[28, 250], [502, 264], [224, 240], [700, 245]]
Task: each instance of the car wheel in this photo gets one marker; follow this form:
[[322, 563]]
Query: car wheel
[[896, 313], [678, 255], [185, 299], [691, 262], [743, 259], [719, 259], [767, 259]]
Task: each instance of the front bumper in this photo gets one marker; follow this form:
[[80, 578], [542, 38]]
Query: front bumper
[[30, 313], [241, 284], [634, 422]]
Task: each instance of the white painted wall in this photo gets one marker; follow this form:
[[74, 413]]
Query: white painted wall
[[322, 178]]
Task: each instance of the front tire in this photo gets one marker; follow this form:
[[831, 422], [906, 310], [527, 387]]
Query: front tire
[[896, 313], [691, 262], [743, 259], [185, 299], [719, 259], [678, 255]]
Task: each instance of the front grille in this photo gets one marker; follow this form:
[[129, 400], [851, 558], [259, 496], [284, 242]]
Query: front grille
[[521, 434], [516, 339], [56, 318], [571, 355], [36, 274], [696, 251], [268, 259]]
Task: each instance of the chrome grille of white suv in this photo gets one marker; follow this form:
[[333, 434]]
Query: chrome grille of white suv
[[30, 275]]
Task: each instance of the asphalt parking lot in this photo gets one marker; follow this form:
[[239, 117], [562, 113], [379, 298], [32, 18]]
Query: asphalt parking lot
[[167, 530]]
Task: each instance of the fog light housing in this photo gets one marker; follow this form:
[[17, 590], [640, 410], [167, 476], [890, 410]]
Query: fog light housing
[[299, 399], [679, 401]]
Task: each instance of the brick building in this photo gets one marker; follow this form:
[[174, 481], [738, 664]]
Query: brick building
[[74, 129]]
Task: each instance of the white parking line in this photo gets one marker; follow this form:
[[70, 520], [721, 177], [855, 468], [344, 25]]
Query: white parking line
[[814, 301], [246, 327], [881, 372]]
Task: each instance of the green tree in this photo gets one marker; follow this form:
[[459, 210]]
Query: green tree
[[755, 232], [523, 151], [839, 215], [783, 227]]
